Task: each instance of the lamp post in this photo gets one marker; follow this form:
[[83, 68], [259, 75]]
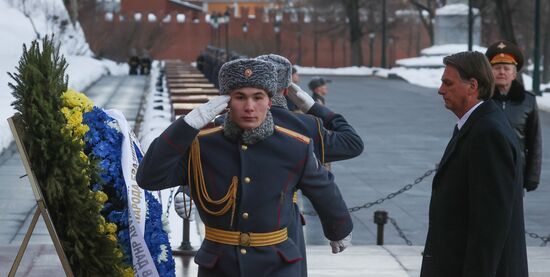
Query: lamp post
[[392, 51], [245, 29], [383, 50], [299, 38], [277, 30], [536, 51], [226, 17], [470, 26], [371, 48], [214, 24]]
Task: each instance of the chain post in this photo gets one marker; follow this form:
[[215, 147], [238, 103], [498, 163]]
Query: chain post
[[380, 218]]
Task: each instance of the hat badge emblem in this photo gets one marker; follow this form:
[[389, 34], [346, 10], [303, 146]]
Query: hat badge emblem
[[248, 73], [502, 45]]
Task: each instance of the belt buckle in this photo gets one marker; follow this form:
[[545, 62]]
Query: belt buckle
[[244, 239]]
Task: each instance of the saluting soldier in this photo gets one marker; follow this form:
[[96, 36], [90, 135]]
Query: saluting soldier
[[243, 176], [333, 137], [519, 105]]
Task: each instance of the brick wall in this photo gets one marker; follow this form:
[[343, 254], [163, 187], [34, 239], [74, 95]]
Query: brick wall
[[296, 40]]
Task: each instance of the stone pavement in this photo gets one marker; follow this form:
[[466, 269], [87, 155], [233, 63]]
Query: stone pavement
[[356, 261]]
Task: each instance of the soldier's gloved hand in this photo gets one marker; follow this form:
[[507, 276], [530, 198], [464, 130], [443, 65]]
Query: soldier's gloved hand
[[299, 97], [341, 245], [201, 115], [183, 204]]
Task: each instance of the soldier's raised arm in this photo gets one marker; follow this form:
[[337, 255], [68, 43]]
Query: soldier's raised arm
[[164, 164], [340, 140]]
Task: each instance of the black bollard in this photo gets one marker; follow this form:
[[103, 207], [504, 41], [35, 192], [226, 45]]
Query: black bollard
[[380, 218], [185, 248]]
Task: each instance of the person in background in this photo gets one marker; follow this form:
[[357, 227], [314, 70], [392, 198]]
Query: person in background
[[519, 105], [243, 176], [133, 62], [476, 225], [145, 63], [319, 88], [295, 78]]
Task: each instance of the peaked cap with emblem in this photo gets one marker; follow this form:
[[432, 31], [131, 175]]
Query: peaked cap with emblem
[[504, 52], [244, 73], [284, 69]]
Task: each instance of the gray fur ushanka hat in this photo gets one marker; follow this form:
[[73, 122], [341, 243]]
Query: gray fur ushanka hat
[[283, 67], [248, 73]]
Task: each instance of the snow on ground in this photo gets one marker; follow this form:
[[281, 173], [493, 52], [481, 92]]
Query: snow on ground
[[16, 29], [425, 77]]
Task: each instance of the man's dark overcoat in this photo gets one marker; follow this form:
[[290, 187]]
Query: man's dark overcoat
[[520, 106], [476, 226]]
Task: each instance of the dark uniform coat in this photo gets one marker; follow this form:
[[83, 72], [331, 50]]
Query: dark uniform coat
[[476, 226], [334, 138], [274, 168], [521, 109]]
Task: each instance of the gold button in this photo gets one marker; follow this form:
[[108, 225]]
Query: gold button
[[245, 215], [243, 251], [244, 147], [247, 180]]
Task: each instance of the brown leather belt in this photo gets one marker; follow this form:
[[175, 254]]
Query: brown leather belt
[[245, 239]]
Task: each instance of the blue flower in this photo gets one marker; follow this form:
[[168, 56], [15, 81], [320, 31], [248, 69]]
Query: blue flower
[[104, 142]]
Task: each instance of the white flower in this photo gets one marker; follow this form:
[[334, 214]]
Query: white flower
[[113, 124], [165, 224], [163, 255]]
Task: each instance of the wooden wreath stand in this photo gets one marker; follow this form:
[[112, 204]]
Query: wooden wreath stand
[[42, 209]]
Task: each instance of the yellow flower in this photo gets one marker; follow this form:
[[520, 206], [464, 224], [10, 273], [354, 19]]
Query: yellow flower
[[128, 272], [83, 156], [101, 220], [101, 197], [111, 228], [72, 99], [111, 237], [101, 229]]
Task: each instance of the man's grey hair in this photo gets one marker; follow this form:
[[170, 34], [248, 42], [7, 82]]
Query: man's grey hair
[[474, 65]]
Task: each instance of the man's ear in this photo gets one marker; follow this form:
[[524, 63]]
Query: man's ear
[[474, 85], [269, 103]]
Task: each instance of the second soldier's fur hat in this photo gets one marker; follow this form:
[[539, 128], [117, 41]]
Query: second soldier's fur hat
[[505, 52], [284, 69], [248, 73]]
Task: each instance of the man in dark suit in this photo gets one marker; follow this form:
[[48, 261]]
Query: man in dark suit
[[476, 223]]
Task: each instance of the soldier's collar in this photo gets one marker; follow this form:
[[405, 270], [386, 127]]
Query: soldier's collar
[[249, 136], [279, 101]]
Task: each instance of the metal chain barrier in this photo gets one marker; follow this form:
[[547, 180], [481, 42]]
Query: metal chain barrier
[[170, 199], [544, 240], [399, 231], [389, 196]]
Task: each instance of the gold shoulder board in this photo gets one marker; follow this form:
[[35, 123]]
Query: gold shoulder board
[[293, 134], [210, 131]]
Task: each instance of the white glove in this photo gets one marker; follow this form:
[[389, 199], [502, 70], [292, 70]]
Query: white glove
[[182, 205], [339, 246], [300, 98], [201, 115]]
